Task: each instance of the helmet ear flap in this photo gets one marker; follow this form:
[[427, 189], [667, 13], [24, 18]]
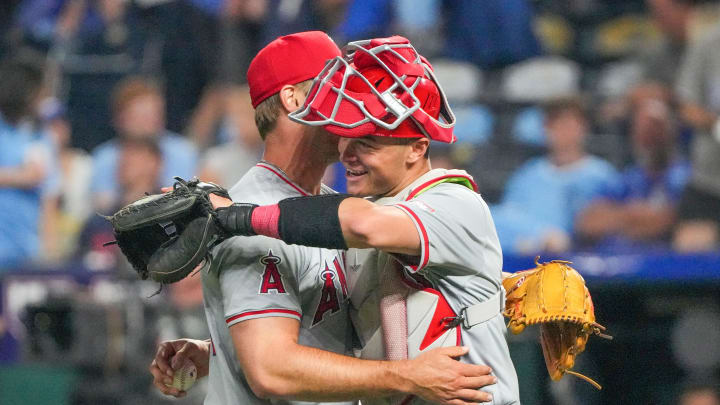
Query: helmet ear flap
[[429, 96]]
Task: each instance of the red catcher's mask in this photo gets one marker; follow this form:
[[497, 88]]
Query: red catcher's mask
[[379, 87]]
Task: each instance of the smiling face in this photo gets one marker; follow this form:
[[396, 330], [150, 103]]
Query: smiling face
[[381, 166]]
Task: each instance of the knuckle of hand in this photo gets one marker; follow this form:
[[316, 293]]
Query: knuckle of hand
[[457, 380]]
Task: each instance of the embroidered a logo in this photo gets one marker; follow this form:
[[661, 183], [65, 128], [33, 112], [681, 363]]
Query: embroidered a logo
[[329, 300], [272, 279]]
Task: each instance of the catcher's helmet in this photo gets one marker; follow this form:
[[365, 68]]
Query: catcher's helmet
[[379, 87]]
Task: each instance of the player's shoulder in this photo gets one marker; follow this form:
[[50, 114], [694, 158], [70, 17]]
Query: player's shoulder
[[449, 193], [450, 200], [243, 252], [255, 187], [263, 185]]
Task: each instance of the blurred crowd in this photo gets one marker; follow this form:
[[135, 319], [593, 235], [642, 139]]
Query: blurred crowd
[[588, 125]]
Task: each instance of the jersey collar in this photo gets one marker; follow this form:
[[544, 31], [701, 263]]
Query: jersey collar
[[282, 175], [429, 179]]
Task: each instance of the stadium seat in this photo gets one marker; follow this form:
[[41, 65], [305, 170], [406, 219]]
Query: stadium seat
[[462, 81], [540, 79]]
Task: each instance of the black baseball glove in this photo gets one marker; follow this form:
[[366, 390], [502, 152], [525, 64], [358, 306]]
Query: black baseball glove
[[165, 236]]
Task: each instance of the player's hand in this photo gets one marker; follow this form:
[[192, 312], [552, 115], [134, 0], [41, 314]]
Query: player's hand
[[171, 355], [218, 201], [438, 378]]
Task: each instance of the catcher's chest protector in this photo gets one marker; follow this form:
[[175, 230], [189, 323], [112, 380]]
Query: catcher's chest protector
[[430, 320], [400, 314]]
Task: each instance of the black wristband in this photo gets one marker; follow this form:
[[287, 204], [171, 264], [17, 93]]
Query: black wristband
[[235, 219], [312, 221]]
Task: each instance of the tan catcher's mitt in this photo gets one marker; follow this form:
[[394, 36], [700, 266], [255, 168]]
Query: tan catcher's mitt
[[553, 295]]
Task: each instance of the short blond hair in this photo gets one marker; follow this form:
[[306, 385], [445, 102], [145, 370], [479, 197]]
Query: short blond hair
[[267, 112]]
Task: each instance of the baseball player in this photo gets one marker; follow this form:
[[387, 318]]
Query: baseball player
[[278, 313], [434, 277]]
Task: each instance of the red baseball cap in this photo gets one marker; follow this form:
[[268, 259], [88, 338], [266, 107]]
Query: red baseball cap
[[289, 59]]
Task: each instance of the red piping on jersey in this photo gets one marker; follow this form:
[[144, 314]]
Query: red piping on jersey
[[301, 191], [425, 242], [427, 183], [264, 311]]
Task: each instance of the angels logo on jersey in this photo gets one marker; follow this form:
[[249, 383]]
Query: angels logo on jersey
[[272, 279], [329, 300]]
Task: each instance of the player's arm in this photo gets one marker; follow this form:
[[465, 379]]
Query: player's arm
[[330, 221], [368, 225], [276, 366]]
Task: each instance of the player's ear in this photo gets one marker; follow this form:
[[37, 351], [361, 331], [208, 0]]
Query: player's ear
[[418, 149], [291, 98]]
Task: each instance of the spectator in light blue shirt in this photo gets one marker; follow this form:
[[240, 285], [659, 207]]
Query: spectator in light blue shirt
[[542, 198], [138, 113], [640, 211], [22, 166]]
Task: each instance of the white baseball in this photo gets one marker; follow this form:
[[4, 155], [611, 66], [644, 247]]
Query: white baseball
[[185, 376]]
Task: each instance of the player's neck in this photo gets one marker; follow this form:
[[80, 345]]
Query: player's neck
[[296, 156], [413, 173]]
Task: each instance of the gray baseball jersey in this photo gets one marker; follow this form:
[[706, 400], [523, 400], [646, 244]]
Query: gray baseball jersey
[[460, 265], [260, 277]]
